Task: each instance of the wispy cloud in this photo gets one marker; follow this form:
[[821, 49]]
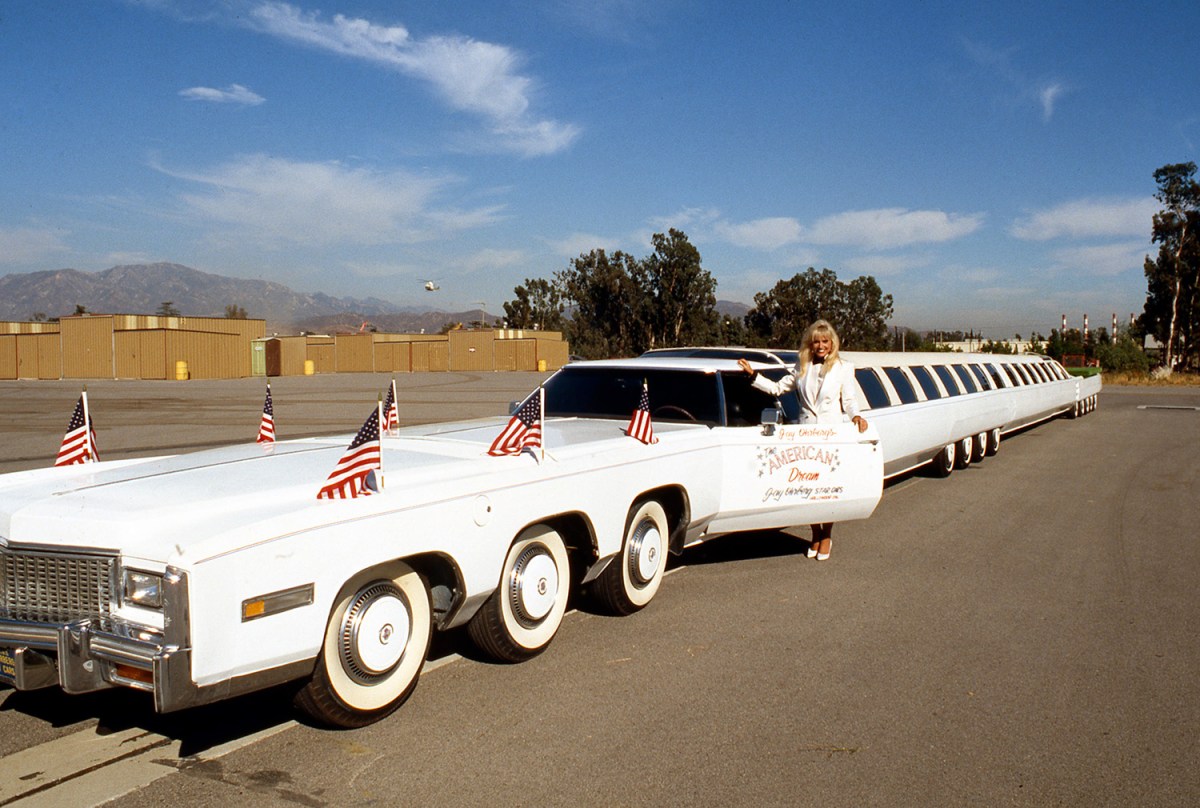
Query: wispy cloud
[[25, 246], [1049, 95], [888, 228], [280, 202], [481, 78], [883, 265], [1001, 64], [233, 94], [574, 245], [761, 234], [1104, 260], [1089, 218]]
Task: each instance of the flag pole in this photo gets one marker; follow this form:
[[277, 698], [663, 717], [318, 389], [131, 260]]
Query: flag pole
[[379, 435], [87, 425], [542, 421], [396, 404]]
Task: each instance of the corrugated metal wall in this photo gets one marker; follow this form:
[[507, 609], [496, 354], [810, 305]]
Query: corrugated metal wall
[[354, 353], [87, 347], [209, 356], [320, 351], [8, 356], [22, 327], [137, 346], [142, 355], [554, 351], [471, 350], [393, 356]]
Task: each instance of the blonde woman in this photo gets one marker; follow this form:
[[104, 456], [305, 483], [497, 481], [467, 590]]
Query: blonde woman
[[825, 385]]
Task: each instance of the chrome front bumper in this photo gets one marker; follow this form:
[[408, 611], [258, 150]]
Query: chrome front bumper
[[85, 655]]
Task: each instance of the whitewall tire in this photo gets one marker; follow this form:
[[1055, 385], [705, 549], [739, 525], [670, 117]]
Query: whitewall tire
[[631, 580], [375, 645], [522, 616]]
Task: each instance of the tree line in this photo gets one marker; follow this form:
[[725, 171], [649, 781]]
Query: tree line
[[612, 305]]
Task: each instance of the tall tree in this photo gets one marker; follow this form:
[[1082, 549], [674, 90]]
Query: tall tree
[[606, 303], [622, 306], [858, 310], [1172, 278], [681, 303], [538, 304]]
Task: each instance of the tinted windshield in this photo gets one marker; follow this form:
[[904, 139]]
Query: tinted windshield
[[584, 392]]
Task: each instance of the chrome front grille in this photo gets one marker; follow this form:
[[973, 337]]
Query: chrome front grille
[[55, 587]]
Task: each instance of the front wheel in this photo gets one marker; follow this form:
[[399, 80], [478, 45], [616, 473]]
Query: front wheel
[[522, 616], [375, 644], [631, 580]]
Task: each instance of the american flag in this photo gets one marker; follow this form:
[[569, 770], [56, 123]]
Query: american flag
[[524, 429], [348, 478], [79, 444], [391, 413], [640, 426], [266, 427]]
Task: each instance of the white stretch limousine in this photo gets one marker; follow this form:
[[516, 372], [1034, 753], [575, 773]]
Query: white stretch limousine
[[197, 577], [942, 408]]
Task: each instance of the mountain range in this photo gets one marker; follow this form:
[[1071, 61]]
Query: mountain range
[[144, 288]]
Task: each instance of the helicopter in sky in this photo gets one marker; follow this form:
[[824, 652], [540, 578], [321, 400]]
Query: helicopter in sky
[[431, 286]]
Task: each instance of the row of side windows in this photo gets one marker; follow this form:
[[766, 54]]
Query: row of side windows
[[955, 380]]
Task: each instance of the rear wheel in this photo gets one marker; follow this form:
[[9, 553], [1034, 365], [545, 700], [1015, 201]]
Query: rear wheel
[[522, 616], [943, 462], [962, 452], [993, 442], [375, 644], [979, 447], [631, 580]]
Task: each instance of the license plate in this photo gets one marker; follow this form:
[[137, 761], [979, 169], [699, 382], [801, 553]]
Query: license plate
[[8, 666]]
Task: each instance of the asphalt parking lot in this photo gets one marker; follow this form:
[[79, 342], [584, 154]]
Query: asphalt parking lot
[[1021, 633]]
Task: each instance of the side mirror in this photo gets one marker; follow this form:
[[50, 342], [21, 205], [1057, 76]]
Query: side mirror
[[769, 420]]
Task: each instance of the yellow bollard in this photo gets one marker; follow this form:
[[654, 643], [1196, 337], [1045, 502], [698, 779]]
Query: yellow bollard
[[541, 366], [309, 367], [181, 371]]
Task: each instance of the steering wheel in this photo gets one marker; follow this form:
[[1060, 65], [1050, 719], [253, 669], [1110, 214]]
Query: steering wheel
[[672, 407]]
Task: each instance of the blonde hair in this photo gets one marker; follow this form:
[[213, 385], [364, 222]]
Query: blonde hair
[[824, 329]]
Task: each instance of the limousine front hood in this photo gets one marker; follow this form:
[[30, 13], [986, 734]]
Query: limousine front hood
[[166, 508]]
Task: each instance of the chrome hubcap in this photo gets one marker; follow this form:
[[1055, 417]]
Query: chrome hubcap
[[375, 632], [645, 552], [533, 585]]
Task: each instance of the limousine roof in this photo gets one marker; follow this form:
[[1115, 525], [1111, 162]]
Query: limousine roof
[[772, 356]]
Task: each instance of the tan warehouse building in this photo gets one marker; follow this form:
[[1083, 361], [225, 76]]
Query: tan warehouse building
[[134, 346]]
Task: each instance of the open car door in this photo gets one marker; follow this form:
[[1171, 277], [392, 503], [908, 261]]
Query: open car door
[[778, 475]]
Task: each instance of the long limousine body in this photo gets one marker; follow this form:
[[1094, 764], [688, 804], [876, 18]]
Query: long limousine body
[[196, 577], [940, 408]]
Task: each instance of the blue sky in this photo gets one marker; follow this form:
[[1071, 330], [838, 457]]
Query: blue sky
[[992, 168]]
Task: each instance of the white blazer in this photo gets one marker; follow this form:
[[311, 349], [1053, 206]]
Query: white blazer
[[834, 401]]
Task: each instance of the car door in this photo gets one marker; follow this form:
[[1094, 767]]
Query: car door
[[791, 474]]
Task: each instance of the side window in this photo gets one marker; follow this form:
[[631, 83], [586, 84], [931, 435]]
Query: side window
[[947, 378], [984, 383], [967, 382], [872, 388], [1044, 372], [1012, 374], [926, 381], [1024, 374], [903, 386], [744, 406]]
